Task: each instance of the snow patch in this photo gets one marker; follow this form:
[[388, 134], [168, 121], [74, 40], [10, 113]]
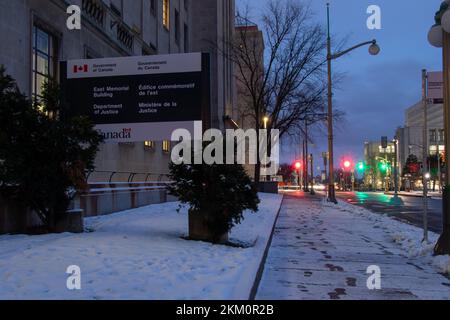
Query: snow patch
[[407, 236]]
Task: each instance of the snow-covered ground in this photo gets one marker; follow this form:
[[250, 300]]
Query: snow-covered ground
[[137, 254], [407, 236], [325, 251]]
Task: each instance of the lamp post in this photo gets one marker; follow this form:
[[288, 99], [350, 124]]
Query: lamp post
[[439, 36], [374, 49], [306, 156]]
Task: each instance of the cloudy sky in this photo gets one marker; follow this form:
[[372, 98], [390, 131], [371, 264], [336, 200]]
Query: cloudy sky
[[375, 90]]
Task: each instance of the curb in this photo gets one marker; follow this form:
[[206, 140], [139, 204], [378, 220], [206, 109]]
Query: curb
[[262, 264], [409, 195]]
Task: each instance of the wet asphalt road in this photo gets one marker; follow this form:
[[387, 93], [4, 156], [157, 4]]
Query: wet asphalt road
[[406, 209]]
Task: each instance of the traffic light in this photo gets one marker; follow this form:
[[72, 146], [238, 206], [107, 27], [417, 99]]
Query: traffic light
[[347, 164], [361, 166], [298, 165], [384, 166]]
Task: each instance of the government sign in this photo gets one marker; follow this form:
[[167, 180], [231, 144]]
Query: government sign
[[133, 99]]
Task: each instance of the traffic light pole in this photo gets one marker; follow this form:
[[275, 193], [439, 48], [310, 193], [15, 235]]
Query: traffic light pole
[[312, 175], [396, 167]]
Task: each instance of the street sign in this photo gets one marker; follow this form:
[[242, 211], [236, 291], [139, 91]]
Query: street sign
[[132, 99]]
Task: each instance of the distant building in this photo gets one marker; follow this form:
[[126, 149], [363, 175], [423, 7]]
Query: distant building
[[213, 29], [379, 165], [410, 137], [35, 39]]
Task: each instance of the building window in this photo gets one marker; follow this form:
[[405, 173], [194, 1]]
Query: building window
[[153, 7], [433, 136], [186, 38], [441, 135], [177, 26], [149, 144], [166, 13], [166, 146], [44, 61]]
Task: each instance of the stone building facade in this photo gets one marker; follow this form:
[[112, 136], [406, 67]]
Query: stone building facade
[[35, 39]]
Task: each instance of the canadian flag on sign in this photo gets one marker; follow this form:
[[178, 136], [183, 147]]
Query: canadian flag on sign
[[83, 68]]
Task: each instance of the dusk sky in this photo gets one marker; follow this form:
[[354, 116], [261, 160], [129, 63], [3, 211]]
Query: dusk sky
[[375, 91]]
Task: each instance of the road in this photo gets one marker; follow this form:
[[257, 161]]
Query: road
[[406, 209]]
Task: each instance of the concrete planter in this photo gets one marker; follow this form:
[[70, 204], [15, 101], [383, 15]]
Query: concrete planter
[[199, 230], [71, 222], [268, 187]]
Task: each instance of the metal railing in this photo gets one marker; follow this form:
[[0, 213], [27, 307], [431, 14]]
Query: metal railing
[[131, 176]]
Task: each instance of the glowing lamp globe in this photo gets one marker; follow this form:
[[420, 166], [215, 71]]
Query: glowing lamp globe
[[435, 36]]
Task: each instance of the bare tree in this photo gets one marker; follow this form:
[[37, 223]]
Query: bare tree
[[283, 79]]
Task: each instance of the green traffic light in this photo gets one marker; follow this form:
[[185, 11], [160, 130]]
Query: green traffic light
[[361, 166], [383, 166]]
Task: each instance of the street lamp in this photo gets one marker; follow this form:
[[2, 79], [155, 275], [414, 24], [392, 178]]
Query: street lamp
[[442, 22], [265, 121], [374, 49]]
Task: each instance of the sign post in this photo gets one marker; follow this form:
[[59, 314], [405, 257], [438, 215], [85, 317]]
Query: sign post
[[132, 99]]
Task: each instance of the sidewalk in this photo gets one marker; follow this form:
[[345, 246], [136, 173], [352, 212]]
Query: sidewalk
[[322, 251]]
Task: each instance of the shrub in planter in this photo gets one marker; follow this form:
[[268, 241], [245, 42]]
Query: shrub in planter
[[217, 196]]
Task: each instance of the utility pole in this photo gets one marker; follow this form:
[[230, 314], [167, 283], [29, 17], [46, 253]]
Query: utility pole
[[312, 175], [306, 157], [396, 167], [331, 191], [425, 156]]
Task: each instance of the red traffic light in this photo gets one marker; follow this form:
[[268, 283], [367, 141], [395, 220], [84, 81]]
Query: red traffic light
[[297, 165], [347, 164]]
